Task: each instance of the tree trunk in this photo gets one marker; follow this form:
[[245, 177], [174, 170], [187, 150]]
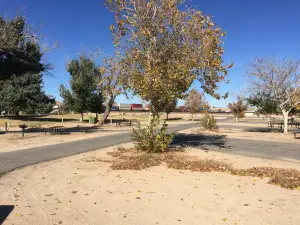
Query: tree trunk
[[150, 117], [108, 107], [17, 113], [96, 117], [236, 119], [81, 117], [167, 115], [192, 116], [285, 121]]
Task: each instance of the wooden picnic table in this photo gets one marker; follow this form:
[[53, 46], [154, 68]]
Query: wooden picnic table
[[280, 124], [129, 122]]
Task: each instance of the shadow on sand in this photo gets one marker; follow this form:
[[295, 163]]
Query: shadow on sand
[[175, 118], [63, 130], [263, 130], [199, 140], [5, 210], [40, 119]]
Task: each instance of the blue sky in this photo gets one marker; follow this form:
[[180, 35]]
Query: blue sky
[[254, 28]]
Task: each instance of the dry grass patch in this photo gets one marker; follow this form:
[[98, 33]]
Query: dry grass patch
[[130, 159], [185, 162], [137, 162], [99, 160], [286, 178]]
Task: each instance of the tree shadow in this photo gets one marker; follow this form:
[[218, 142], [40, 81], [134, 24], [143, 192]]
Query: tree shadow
[[41, 119], [5, 210], [263, 130], [63, 130], [199, 140], [175, 118]]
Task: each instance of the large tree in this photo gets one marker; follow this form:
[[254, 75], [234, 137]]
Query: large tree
[[19, 49], [280, 80], [25, 93], [110, 83], [83, 94], [22, 67], [194, 102], [166, 46]]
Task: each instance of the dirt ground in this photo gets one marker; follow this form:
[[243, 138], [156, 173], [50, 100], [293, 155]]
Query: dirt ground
[[82, 190]]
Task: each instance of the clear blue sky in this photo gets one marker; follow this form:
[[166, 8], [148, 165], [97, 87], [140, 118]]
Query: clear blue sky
[[254, 28]]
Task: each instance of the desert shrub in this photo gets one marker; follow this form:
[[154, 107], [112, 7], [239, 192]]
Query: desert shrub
[[145, 140], [209, 122]]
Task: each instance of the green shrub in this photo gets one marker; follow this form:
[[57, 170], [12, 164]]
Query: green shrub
[[209, 122], [145, 139]]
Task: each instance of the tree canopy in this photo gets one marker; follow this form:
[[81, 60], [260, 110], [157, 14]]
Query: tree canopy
[[21, 68], [264, 103], [25, 93], [238, 108], [279, 80], [83, 94], [110, 83], [19, 49], [166, 46], [194, 102]]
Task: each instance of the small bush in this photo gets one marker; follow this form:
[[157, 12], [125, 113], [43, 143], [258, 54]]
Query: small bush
[[209, 122], [146, 140]]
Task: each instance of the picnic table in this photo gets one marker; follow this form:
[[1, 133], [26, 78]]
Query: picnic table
[[291, 123], [55, 130], [273, 123], [295, 133], [128, 122]]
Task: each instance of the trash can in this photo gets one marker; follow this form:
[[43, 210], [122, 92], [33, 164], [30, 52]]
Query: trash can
[[92, 120]]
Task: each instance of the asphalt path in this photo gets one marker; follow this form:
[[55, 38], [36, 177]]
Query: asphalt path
[[254, 148], [262, 149], [20, 158]]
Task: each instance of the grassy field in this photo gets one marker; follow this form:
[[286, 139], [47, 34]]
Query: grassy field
[[33, 121]]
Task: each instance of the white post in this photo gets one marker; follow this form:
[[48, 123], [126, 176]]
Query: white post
[[285, 121]]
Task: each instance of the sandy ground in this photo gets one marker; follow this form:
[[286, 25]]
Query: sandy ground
[[79, 190]]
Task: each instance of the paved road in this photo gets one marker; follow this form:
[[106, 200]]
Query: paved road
[[12, 160], [262, 149]]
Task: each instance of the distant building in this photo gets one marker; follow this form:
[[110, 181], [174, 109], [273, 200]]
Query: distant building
[[250, 112], [57, 104], [219, 109]]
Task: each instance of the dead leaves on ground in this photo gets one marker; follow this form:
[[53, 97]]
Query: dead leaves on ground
[[130, 159]]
